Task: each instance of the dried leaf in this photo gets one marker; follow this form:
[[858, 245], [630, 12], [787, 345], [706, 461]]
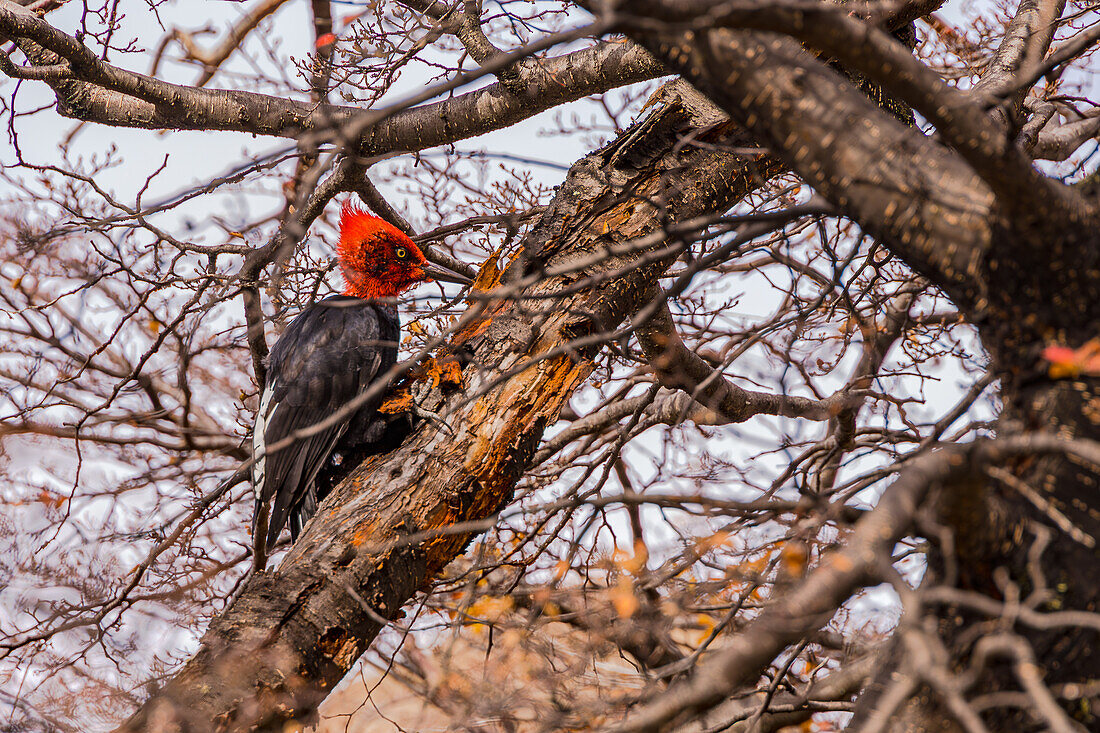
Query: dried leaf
[[623, 599], [491, 608], [706, 624], [50, 499], [1066, 362], [795, 556]]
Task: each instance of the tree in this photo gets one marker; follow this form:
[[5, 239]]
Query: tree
[[804, 235]]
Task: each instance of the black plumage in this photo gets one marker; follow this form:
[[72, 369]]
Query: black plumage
[[322, 365], [329, 354]]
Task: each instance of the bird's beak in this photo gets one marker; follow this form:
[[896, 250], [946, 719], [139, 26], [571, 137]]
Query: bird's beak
[[436, 272]]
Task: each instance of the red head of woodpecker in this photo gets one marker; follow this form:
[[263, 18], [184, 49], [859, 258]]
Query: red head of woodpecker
[[379, 260]]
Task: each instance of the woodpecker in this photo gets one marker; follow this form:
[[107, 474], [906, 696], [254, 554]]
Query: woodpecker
[[331, 353]]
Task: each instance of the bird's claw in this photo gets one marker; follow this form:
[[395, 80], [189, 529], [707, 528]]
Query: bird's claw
[[435, 417]]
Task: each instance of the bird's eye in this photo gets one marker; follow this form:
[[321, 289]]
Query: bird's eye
[[401, 253]]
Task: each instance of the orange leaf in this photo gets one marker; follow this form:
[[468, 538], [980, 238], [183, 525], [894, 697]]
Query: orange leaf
[[491, 608], [50, 499], [560, 569], [794, 556], [623, 598], [326, 40], [705, 625], [1066, 362]]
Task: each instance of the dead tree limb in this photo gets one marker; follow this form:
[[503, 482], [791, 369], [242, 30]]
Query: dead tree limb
[[293, 633]]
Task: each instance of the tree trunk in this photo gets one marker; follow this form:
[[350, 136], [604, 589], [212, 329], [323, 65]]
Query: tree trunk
[[400, 518]]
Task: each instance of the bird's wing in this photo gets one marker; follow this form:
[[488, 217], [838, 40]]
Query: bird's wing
[[326, 357]]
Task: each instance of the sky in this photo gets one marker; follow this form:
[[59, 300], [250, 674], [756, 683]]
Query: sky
[[191, 158]]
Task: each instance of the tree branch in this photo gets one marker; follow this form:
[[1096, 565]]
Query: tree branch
[[733, 715], [810, 603], [960, 119], [678, 367], [213, 59], [1063, 141], [902, 187], [108, 95]]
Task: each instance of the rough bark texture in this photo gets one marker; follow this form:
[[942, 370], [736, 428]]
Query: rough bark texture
[[294, 632]]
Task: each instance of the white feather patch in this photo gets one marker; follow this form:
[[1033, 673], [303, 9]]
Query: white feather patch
[[258, 443]]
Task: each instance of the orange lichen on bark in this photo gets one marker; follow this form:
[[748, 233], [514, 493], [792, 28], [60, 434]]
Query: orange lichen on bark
[[488, 277], [445, 371], [497, 450], [478, 325], [397, 403], [535, 394], [450, 373], [362, 535]]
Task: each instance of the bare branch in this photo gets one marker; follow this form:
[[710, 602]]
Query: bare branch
[[212, 59], [679, 368], [812, 602], [102, 93]]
